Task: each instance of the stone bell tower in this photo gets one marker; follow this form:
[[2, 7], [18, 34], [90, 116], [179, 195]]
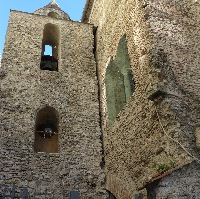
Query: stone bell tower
[[49, 109]]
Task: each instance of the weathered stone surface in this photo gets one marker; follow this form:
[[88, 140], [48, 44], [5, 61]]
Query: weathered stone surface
[[183, 183], [163, 46], [157, 127], [52, 10], [72, 91]]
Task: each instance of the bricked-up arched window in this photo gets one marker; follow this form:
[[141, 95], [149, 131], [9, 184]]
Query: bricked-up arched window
[[119, 81], [53, 15], [46, 130], [51, 38]]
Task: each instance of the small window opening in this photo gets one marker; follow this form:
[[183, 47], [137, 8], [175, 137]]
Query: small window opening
[[50, 48], [54, 15], [46, 131], [119, 81]]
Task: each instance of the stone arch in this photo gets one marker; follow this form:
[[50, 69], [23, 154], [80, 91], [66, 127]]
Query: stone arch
[[46, 130], [51, 37], [119, 81]]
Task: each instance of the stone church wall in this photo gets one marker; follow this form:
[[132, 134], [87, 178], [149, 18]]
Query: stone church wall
[[182, 183], [72, 92], [162, 39]]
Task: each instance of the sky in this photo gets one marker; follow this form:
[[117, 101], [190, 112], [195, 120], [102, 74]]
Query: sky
[[73, 8]]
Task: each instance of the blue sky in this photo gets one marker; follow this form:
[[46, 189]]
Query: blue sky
[[73, 8]]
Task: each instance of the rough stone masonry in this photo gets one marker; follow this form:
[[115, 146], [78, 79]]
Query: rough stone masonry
[[72, 92], [152, 143], [159, 125]]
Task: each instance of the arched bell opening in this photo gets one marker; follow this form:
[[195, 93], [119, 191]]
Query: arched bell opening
[[46, 130], [50, 48]]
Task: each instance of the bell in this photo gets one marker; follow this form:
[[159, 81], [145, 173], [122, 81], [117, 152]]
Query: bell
[[48, 131]]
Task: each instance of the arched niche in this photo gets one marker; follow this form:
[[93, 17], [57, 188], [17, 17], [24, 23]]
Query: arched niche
[[54, 15], [46, 130], [51, 37], [119, 81]]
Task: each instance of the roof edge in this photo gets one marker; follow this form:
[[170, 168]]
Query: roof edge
[[66, 20], [158, 176], [87, 10]]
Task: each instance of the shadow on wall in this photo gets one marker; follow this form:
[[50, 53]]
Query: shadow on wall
[[111, 196], [119, 81]]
